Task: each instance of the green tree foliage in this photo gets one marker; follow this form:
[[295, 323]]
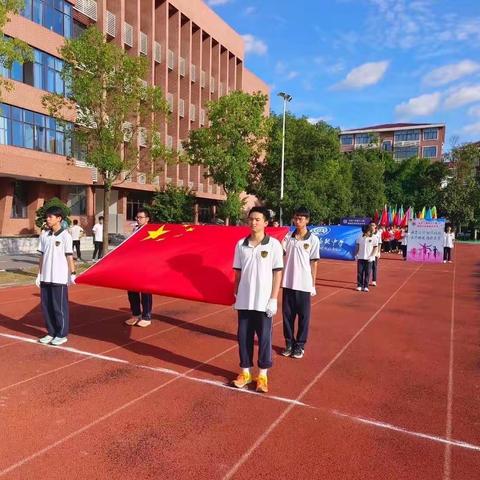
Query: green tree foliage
[[315, 174], [233, 142], [460, 201], [115, 110], [11, 49], [172, 205], [53, 202]]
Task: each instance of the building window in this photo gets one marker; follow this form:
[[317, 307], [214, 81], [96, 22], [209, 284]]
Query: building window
[[77, 200], [407, 136], [78, 29], [44, 72], [27, 129], [364, 139], [346, 139], [135, 201], [402, 153], [19, 202], [387, 146], [430, 134], [56, 15], [430, 152]]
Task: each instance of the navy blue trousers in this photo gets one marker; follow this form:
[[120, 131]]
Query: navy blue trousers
[[296, 303], [249, 323], [54, 300], [374, 267], [363, 273], [146, 301]]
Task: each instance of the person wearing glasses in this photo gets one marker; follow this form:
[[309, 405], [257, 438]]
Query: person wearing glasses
[[140, 302]]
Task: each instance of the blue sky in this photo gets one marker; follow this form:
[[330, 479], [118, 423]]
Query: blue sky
[[355, 63]]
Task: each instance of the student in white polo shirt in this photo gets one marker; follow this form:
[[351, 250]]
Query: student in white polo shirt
[[449, 240], [97, 231], [374, 265], [365, 251], [302, 252], [258, 264], [56, 271]]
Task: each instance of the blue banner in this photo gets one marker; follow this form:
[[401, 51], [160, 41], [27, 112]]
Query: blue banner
[[337, 241]]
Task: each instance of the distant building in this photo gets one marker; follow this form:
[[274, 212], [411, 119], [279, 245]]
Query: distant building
[[404, 140]]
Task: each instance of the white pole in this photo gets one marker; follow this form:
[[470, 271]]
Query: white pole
[[283, 160]]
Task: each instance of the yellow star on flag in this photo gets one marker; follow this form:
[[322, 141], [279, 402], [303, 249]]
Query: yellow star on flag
[[154, 234], [188, 228]]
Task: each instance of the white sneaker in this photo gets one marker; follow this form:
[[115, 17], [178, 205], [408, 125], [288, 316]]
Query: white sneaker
[[143, 323], [57, 341], [444, 261], [359, 289], [365, 289], [46, 339], [374, 283]]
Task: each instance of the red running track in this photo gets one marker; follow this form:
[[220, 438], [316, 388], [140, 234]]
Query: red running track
[[388, 388]]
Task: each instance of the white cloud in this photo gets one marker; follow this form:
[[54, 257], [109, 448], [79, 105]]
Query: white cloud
[[315, 120], [282, 70], [472, 129], [364, 75], [450, 73], [418, 106], [291, 75], [474, 111], [463, 96], [250, 10], [214, 3], [254, 45]]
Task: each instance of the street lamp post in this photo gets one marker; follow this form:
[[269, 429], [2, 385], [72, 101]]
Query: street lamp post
[[286, 98]]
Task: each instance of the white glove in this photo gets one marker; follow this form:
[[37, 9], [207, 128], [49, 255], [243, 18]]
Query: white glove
[[271, 309], [37, 280], [72, 279], [313, 291]]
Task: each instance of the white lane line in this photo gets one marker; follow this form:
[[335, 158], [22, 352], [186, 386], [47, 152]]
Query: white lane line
[[218, 384], [280, 418], [447, 464]]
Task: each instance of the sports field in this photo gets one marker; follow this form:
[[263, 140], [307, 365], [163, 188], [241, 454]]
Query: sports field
[[389, 387]]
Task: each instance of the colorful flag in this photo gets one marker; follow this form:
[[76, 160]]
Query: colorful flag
[[376, 217], [434, 212], [183, 261], [384, 219], [428, 215]]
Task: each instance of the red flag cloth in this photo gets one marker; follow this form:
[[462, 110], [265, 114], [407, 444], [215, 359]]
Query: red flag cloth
[[183, 261], [384, 219], [376, 217]]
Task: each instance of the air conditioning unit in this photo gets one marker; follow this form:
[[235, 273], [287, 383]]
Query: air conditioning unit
[[156, 180], [94, 175], [157, 52], [111, 24], [143, 43], [181, 107], [203, 79], [141, 178], [142, 136], [127, 129], [171, 60], [192, 112], [169, 141], [126, 176], [128, 35], [168, 180], [221, 87], [87, 7], [180, 182], [181, 66], [202, 117], [170, 101], [212, 85], [193, 73]]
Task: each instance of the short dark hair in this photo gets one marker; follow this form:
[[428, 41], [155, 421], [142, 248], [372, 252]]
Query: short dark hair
[[263, 210], [302, 212], [75, 222], [101, 217], [55, 211], [144, 210]]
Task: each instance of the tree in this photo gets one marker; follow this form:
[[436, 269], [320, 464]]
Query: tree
[[53, 202], [173, 205], [234, 140], [11, 49], [116, 113], [315, 174]]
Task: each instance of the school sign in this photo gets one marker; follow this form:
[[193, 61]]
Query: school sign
[[425, 240], [337, 241]]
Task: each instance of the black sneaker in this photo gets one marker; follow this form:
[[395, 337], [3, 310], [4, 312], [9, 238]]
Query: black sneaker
[[288, 351], [298, 352]]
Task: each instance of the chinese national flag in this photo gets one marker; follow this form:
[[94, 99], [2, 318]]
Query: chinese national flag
[[184, 261]]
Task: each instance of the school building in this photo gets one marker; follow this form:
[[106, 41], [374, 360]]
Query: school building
[[194, 57], [403, 140]]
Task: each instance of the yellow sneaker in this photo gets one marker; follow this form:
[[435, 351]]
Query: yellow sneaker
[[262, 384], [242, 380]]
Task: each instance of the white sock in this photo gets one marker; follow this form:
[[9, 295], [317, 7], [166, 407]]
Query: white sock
[[246, 371], [262, 372]]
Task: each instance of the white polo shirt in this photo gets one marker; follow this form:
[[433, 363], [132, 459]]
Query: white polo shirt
[[378, 236], [257, 265], [365, 247], [76, 232], [98, 232], [297, 274], [449, 239], [55, 248]]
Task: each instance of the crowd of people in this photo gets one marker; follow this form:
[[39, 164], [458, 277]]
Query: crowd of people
[[262, 265]]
